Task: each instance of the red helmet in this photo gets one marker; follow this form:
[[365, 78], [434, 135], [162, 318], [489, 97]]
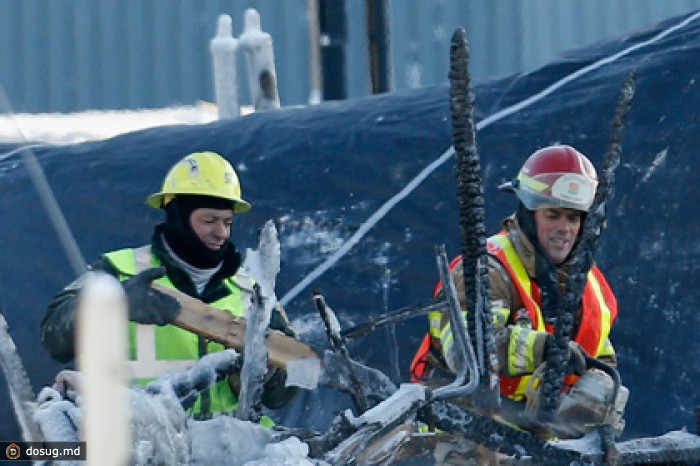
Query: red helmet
[[555, 176]]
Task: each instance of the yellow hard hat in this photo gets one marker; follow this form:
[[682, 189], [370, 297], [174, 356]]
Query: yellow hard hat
[[203, 174]]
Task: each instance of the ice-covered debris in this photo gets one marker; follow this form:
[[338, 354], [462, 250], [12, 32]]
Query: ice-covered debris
[[588, 444], [381, 431], [263, 265], [189, 384], [375, 447], [228, 441], [163, 433], [158, 421], [158, 426], [304, 373], [255, 361], [393, 407], [643, 449], [18, 383], [58, 415], [336, 373]]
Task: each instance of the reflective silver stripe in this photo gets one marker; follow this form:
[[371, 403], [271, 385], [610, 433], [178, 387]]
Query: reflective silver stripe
[[146, 365], [140, 370], [520, 354], [143, 258]]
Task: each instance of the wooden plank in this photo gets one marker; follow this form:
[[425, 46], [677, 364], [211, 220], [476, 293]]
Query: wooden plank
[[220, 326]]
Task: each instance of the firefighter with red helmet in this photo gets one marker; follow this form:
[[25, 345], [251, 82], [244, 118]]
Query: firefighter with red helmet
[[528, 264]]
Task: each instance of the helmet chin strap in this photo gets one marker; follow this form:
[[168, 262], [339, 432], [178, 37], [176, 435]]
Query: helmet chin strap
[[547, 277]]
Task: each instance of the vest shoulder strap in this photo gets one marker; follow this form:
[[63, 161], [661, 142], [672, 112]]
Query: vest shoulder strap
[[123, 261], [143, 258]]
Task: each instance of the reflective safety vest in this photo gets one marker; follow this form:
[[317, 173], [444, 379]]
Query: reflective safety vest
[[598, 302], [158, 350]]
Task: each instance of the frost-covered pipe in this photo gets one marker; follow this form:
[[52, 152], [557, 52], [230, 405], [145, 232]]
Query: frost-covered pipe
[[316, 92], [101, 343], [464, 351], [18, 384], [223, 49], [260, 59]]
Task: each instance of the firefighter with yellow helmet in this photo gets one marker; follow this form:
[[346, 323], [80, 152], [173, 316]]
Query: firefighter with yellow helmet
[[528, 266], [192, 252]]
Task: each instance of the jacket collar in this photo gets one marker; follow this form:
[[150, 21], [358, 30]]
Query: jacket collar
[[523, 246], [214, 290]]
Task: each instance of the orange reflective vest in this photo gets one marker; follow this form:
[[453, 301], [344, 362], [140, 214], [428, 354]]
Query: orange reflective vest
[[598, 302]]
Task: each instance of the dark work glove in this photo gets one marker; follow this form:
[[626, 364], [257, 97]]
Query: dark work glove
[[146, 305], [575, 356], [577, 359]]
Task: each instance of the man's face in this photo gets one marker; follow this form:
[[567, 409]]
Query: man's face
[[212, 226], [557, 229]]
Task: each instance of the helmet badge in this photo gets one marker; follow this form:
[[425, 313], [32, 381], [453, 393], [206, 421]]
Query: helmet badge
[[573, 188], [194, 166]]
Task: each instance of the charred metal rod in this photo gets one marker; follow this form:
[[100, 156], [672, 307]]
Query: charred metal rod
[[582, 259], [470, 200], [398, 315], [338, 345], [464, 351]]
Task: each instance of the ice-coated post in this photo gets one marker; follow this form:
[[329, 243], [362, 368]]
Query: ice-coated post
[[102, 324], [260, 59], [316, 93], [223, 49]]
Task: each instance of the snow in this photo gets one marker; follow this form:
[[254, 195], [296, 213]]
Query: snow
[[94, 125]]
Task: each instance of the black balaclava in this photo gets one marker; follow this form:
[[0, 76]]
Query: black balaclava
[[547, 277], [182, 238]]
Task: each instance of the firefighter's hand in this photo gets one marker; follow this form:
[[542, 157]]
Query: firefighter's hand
[[146, 305], [576, 362]]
